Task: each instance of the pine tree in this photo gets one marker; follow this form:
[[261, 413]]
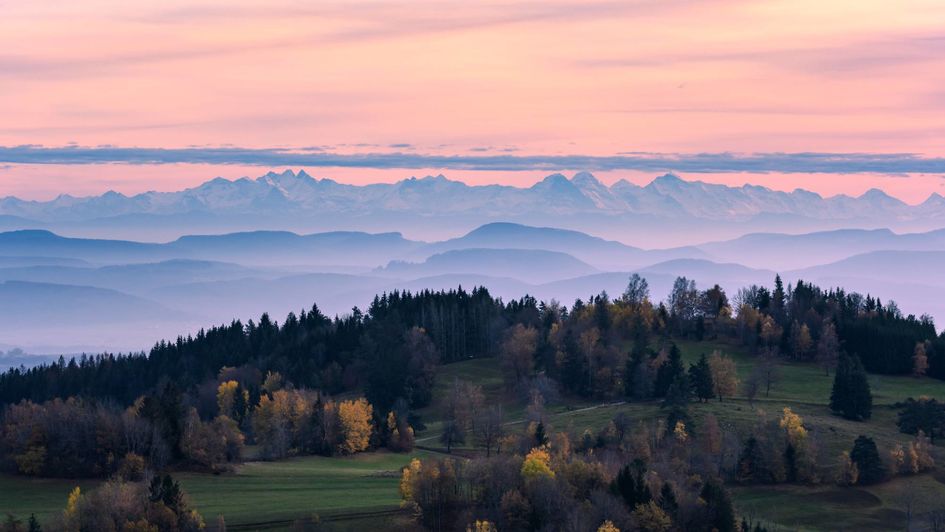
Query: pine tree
[[777, 298], [677, 396], [668, 501], [240, 404], [721, 513], [867, 460], [750, 466], [925, 414], [540, 437], [700, 378], [631, 486], [790, 463], [634, 364], [172, 496], [33, 524], [851, 397], [671, 370]]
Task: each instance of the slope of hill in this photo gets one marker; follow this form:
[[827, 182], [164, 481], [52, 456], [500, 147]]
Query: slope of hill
[[47, 244], [790, 251], [252, 248], [888, 265], [530, 265], [132, 278], [601, 253]]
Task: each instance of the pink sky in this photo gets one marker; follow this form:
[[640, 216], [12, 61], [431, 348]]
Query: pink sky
[[542, 77]]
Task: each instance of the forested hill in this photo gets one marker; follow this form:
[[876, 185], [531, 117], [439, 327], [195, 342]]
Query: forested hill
[[376, 351], [318, 352]]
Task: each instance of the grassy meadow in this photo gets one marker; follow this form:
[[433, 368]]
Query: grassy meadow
[[268, 493]]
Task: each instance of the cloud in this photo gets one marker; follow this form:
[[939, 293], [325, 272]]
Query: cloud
[[809, 162], [854, 56], [362, 23]]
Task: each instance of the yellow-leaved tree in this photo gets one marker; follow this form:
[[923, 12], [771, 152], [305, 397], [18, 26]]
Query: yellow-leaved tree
[[227, 400], [407, 478], [793, 427], [355, 418], [537, 464], [70, 516], [481, 526], [608, 526]]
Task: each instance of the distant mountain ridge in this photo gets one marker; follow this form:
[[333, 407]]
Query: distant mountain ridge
[[788, 252], [63, 294], [255, 247], [537, 265], [601, 253], [299, 194]]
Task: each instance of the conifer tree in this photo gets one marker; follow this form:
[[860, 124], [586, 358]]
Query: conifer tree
[[668, 501], [677, 396], [700, 378], [670, 371], [851, 396], [718, 504], [33, 524], [540, 437], [867, 460], [631, 485]]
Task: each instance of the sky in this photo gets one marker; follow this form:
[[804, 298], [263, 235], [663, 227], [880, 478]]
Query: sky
[[162, 95]]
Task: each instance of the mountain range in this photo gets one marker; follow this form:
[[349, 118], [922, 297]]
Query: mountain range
[[669, 211], [67, 294]]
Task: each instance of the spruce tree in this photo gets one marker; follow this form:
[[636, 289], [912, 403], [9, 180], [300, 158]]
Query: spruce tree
[[33, 524], [634, 363], [851, 397], [751, 466], [718, 506], [669, 372], [540, 437], [925, 414], [668, 501], [790, 463], [700, 378], [677, 396], [631, 486], [867, 460]]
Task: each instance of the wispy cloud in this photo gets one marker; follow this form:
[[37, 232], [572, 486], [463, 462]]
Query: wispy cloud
[[809, 162]]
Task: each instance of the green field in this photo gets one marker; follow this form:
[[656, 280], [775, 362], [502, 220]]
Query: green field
[[22, 496], [288, 489], [832, 508], [258, 492], [278, 492]]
